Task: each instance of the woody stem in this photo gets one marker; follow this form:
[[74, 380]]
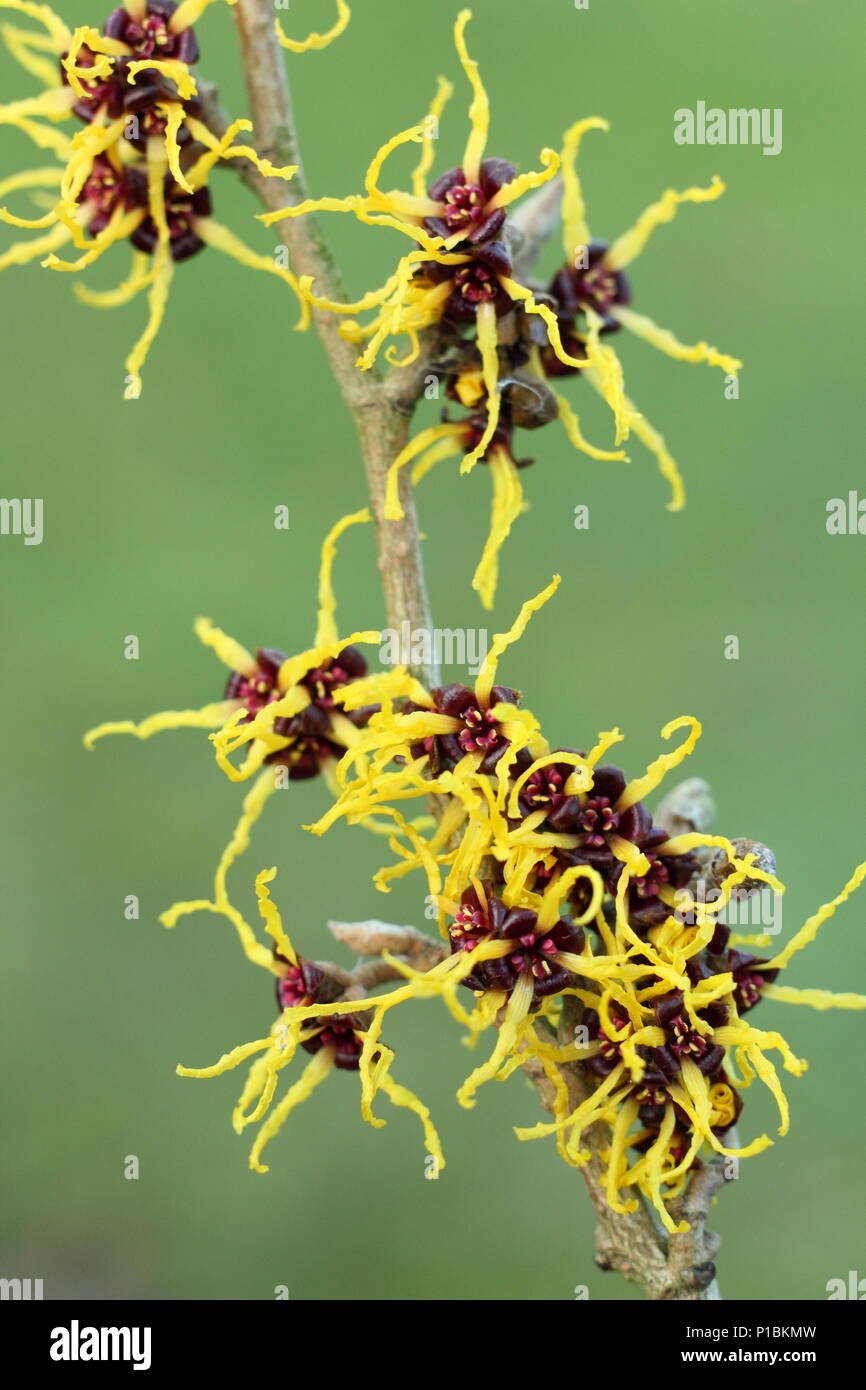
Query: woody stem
[[382, 409]]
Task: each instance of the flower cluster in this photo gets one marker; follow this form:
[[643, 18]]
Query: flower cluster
[[502, 338], [573, 922], [295, 715], [138, 167], [580, 928]]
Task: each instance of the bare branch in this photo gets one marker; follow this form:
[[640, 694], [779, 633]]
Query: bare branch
[[381, 416]]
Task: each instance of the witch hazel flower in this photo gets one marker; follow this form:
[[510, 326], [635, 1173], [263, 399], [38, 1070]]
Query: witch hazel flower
[[311, 1019], [592, 297], [139, 166], [287, 712]]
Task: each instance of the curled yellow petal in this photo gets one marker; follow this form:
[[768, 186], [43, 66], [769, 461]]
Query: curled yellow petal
[[326, 629], [316, 41], [631, 243], [575, 231], [664, 340]]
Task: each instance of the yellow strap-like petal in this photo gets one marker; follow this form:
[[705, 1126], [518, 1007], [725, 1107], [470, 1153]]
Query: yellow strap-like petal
[[503, 640], [809, 929], [631, 243], [571, 424], [313, 1075], [664, 340], [575, 232], [642, 787], [524, 182], [505, 509], [326, 627], [430, 127], [208, 717], [479, 110], [486, 338], [22, 252], [188, 13], [215, 234], [315, 41]]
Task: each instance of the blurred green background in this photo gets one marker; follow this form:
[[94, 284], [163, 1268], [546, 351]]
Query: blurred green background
[[161, 509]]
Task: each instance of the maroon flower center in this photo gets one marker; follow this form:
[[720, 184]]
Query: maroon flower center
[[463, 206], [476, 283], [480, 730], [649, 884], [598, 287], [322, 682], [149, 38], [749, 988], [339, 1032], [291, 990], [256, 691], [685, 1042], [468, 927], [532, 952], [609, 1048], [104, 190], [179, 213], [598, 819], [544, 787]]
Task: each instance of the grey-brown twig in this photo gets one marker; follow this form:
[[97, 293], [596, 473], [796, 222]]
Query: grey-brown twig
[[381, 411]]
